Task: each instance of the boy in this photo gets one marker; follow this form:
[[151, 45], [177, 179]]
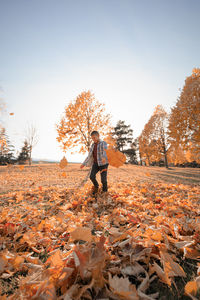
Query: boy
[[97, 157]]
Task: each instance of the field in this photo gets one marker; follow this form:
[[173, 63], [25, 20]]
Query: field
[[14, 178], [142, 241]]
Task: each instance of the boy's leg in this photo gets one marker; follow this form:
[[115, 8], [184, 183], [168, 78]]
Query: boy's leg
[[94, 171], [103, 171]]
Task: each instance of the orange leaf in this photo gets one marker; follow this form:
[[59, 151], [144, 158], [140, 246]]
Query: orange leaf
[[55, 260], [18, 261], [63, 163], [21, 167], [115, 157], [191, 288]]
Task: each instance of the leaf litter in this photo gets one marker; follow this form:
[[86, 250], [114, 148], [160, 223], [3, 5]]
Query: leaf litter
[[59, 243]]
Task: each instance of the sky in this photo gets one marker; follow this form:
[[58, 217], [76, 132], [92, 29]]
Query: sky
[[133, 55]]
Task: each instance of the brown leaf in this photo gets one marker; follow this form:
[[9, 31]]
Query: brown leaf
[[81, 233], [122, 287], [171, 268]]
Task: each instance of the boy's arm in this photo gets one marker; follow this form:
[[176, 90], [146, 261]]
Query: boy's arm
[[87, 159]]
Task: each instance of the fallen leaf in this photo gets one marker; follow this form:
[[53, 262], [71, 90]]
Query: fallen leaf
[[81, 233], [191, 288], [122, 287]]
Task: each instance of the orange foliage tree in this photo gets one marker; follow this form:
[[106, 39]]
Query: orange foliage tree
[[81, 117], [184, 124], [153, 141], [2, 139]]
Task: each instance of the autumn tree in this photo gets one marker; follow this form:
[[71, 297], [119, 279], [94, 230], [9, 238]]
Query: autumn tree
[[145, 151], [3, 137], [81, 117], [2, 109], [32, 138], [6, 148], [184, 121], [176, 156], [153, 142]]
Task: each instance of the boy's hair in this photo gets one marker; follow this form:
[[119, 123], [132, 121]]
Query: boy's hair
[[94, 133]]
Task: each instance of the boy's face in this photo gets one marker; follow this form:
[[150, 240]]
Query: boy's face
[[95, 138]]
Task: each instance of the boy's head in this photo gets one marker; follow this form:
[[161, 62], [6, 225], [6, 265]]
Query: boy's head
[[95, 136]]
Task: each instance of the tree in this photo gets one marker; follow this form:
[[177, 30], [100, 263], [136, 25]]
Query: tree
[[23, 156], [2, 109], [32, 139], [176, 156], [123, 136], [154, 139], [159, 134], [145, 151], [184, 125], [6, 148], [131, 154], [137, 152], [81, 117]]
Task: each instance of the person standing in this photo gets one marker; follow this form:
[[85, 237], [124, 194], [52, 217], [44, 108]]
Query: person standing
[[97, 158]]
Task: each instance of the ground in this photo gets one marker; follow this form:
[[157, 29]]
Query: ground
[[15, 178], [139, 242]]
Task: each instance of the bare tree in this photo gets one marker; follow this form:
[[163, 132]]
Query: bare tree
[[32, 139], [2, 108]]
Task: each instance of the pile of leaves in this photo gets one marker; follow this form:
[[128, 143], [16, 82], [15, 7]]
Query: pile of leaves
[[142, 241]]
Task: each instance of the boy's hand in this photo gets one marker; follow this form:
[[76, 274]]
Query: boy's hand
[[82, 166]]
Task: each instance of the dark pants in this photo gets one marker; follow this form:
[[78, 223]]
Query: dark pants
[[103, 172]]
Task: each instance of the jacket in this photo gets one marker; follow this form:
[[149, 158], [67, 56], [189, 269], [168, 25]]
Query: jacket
[[101, 153]]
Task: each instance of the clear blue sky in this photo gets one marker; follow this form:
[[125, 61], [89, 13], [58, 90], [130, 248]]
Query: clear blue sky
[[133, 55]]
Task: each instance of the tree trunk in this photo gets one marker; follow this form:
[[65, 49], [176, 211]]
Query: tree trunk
[[140, 159], [30, 155], [148, 160], [166, 160], [165, 155]]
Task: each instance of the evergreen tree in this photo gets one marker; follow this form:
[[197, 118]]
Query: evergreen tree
[[24, 154], [123, 135], [131, 154]]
